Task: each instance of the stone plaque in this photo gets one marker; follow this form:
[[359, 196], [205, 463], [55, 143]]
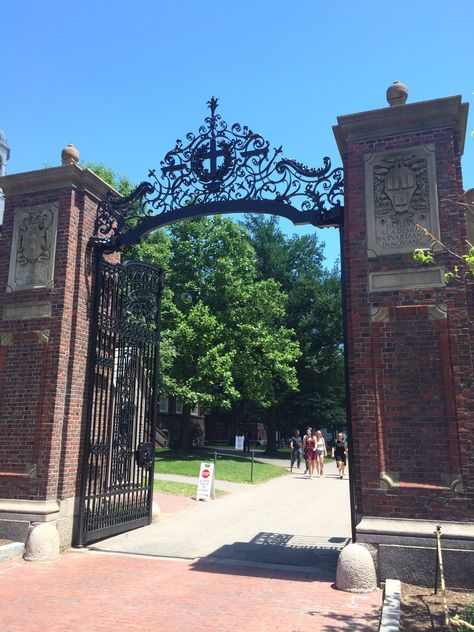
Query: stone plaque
[[27, 311], [33, 247], [406, 279], [400, 192]]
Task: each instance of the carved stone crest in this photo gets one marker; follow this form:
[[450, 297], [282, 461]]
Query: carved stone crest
[[400, 193], [33, 247]]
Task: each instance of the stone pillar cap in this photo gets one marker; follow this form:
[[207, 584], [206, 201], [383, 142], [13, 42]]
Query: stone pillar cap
[[397, 94], [412, 117], [69, 155]]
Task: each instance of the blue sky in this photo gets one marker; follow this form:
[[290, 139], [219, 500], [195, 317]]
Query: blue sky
[[124, 80]]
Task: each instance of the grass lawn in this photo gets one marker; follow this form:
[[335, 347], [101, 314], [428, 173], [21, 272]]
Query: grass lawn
[[179, 489], [228, 468], [282, 454]]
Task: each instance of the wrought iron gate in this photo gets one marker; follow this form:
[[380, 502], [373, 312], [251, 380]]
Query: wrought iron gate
[[117, 487]]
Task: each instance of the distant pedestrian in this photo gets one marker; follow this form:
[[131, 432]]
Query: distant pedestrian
[[246, 442], [309, 449], [339, 452], [295, 447], [321, 452]]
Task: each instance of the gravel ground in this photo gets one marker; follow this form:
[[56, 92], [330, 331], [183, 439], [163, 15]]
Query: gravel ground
[[422, 610]]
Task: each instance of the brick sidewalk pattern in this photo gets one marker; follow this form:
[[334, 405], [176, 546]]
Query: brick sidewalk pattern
[[97, 592]]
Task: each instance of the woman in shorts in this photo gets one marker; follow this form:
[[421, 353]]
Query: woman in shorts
[[309, 450], [339, 452], [321, 452]]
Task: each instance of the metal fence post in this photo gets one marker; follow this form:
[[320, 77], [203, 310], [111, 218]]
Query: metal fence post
[[251, 467]]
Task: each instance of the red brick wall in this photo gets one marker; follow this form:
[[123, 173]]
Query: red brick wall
[[411, 378], [42, 384]]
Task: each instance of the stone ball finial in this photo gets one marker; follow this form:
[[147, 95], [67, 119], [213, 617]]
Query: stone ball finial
[[397, 93], [69, 155]]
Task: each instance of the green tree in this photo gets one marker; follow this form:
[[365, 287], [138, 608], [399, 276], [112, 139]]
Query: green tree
[[314, 313], [119, 182], [213, 263], [224, 338]]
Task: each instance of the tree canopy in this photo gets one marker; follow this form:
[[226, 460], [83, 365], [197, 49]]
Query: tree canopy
[[251, 320], [314, 312]]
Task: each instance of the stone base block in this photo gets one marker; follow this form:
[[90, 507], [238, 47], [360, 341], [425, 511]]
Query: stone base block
[[15, 530], [406, 550], [416, 565], [17, 517], [390, 619], [11, 551]]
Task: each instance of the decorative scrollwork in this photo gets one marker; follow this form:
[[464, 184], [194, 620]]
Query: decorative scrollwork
[[222, 165], [117, 213]]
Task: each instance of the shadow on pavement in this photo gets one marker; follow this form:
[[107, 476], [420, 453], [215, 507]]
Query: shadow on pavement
[[315, 557], [348, 622]]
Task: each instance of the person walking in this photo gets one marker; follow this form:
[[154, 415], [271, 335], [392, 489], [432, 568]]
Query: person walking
[[246, 442], [321, 452], [295, 446], [309, 449], [339, 452]]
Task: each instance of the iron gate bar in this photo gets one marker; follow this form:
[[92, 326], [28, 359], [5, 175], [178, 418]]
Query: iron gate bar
[[117, 483], [243, 176]]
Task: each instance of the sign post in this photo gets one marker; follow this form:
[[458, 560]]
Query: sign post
[[205, 489], [239, 442]]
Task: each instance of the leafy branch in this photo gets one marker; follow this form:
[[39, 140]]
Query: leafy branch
[[426, 255]]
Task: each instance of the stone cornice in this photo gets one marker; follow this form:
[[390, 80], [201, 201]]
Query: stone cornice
[[410, 117], [43, 507], [54, 178]]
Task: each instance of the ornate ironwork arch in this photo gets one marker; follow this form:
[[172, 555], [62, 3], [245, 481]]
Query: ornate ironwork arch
[[221, 170]]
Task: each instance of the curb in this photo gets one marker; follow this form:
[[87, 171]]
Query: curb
[[11, 551], [390, 619]]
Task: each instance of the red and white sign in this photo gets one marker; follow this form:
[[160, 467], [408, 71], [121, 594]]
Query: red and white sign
[[205, 489]]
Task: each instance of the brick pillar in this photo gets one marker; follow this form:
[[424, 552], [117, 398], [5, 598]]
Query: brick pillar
[[410, 340], [45, 284]]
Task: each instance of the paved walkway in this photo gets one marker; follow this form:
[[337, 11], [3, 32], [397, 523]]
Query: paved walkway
[[260, 558], [98, 592], [287, 520]]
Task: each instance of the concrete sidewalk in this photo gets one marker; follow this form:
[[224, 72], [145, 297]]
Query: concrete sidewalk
[[287, 520]]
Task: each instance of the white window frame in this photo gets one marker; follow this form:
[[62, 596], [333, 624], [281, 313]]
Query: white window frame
[[164, 408]]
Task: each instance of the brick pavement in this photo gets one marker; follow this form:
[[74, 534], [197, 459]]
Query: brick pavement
[[86, 591], [170, 504]]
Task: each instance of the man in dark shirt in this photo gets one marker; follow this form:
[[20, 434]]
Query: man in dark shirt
[[295, 446]]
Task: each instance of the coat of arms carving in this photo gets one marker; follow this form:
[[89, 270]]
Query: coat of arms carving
[[400, 193], [33, 247]]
